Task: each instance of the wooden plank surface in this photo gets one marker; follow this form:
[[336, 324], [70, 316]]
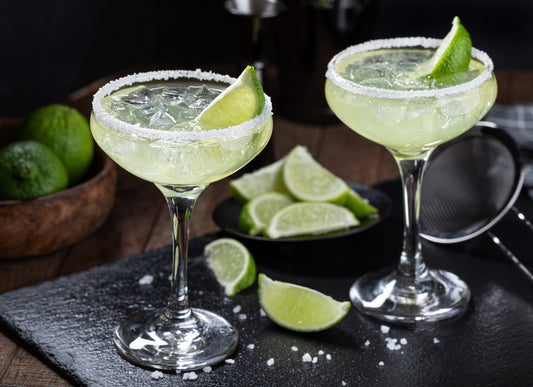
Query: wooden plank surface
[[139, 220]]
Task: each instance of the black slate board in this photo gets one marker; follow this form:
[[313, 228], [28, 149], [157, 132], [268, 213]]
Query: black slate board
[[69, 321]]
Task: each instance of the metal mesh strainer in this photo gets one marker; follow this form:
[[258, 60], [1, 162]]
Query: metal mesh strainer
[[474, 181]]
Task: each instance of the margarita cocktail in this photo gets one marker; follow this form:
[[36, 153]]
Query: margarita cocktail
[[380, 90], [150, 124]]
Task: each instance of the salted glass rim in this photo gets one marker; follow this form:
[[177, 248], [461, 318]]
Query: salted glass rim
[[136, 130], [376, 92]]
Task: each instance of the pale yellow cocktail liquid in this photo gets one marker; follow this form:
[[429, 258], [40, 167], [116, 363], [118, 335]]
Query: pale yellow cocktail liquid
[[379, 93], [153, 133]]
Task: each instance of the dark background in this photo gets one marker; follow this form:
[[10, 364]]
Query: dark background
[[52, 48]]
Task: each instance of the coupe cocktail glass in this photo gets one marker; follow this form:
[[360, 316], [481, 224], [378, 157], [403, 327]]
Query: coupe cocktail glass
[[375, 89], [146, 123]]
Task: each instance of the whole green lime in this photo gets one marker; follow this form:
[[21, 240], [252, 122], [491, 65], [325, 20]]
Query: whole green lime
[[29, 169], [66, 132]]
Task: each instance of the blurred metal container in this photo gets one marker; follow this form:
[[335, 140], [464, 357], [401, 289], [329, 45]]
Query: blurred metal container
[[311, 33]]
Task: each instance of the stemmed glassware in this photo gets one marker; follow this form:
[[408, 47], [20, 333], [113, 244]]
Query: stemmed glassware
[[371, 94], [145, 123]]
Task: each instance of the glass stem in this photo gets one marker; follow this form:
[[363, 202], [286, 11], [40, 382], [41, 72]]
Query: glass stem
[[411, 171], [181, 201]]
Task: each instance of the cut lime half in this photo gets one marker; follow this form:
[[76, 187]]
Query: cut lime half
[[238, 103], [299, 308], [232, 263]]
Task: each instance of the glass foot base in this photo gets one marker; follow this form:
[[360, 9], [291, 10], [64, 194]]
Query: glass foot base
[[392, 297], [152, 340]]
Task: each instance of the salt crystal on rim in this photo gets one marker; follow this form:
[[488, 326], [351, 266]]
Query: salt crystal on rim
[[294, 348], [403, 341], [177, 137], [207, 369], [436, 340], [328, 357], [373, 45], [385, 329], [237, 309], [270, 362], [230, 361], [307, 358], [250, 346]]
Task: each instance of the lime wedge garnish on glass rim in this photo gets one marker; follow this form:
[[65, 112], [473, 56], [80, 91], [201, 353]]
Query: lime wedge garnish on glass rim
[[453, 55], [257, 213], [239, 102], [309, 218], [232, 263], [299, 308], [307, 180], [260, 181]]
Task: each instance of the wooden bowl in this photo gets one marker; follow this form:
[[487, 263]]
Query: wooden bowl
[[49, 223]]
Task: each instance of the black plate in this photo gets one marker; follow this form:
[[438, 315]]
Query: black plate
[[226, 216]]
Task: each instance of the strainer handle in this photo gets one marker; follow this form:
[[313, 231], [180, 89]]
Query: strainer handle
[[508, 253]]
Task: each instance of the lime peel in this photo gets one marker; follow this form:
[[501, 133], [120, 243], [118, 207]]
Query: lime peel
[[453, 55], [232, 263], [299, 308]]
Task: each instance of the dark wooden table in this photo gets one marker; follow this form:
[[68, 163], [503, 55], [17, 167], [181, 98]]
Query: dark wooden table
[[139, 220]]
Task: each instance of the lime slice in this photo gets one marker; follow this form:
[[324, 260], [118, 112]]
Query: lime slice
[[299, 308], [307, 180], [256, 214], [266, 179], [232, 263], [305, 218], [240, 102], [453, 54], [360, 207]]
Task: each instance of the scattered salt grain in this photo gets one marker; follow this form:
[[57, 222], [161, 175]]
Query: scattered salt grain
[[262, 312], [250, 346], [385, 329], [270, 362], [328, 356], [320, 353], [435, 340], [294, 348], [146, 279], [207, 369], [344, 383], [230, 361], [307, 358], [315, 359], [190, 375], [367, 343], [156, 375], [403, 341], [242, 316], [381, 364], [237, 309], [392, 344]]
